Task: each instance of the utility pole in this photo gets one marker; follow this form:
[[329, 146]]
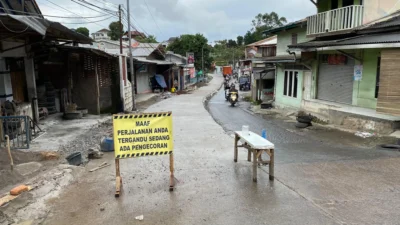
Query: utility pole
[[120, 29], [202, 60], [131, 58], [233, 58]]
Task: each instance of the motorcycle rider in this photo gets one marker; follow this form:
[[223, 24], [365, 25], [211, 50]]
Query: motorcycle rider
[[233, 89]]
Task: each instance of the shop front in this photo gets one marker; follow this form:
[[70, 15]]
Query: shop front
[[335, 78]]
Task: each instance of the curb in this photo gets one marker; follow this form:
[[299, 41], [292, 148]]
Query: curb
[[207, 98]]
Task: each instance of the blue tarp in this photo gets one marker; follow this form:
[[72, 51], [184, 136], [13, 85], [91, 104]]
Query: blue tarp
[[161, 81]]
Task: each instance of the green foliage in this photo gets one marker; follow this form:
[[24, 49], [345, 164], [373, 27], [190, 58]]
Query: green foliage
[[83, 30], [239, 40], [224, 52], [193, 43], [148, 39], [231, 43], [115, 30], [263, 22]]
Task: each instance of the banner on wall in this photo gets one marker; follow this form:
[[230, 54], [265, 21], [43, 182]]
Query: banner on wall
[[358, 71]]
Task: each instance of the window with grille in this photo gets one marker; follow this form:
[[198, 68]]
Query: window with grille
[[290, 83]]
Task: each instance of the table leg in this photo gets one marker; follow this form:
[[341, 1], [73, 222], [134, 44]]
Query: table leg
[[236, 148], [271, 165], [255, 165], [249, 155]]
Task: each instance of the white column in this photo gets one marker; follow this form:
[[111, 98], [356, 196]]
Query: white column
[[31, 83], [5, 82]]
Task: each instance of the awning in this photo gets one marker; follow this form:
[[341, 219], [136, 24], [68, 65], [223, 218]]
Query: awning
[[275, 59], [263, 70], [25, 25], [374, 41], [152, 61], [86, 50]]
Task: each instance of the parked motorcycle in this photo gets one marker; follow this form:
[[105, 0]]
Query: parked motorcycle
[[233, 98]]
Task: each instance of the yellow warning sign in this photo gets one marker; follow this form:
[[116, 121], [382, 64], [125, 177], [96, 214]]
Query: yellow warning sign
[[143, 134]]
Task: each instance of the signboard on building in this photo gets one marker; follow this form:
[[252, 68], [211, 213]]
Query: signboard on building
[[334, 59], [190, 58], [358, 71], [192, 72]]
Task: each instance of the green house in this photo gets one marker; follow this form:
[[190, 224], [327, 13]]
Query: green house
[[346, 66]]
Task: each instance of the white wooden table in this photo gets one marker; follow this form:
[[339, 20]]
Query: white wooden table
[[255, 144]]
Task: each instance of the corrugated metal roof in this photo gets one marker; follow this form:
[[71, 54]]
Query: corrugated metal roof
[[383, 38], [279, 58], [152, 61], [268, 41], [385, 22], [287, 26], [43, 27]]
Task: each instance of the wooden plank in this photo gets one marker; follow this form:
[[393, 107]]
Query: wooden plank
[[7, 198], [388, 111], [271, 165], [255, 165], [389, 105]]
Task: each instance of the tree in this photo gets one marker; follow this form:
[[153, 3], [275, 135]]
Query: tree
[[224, 55], [249, 38], [193, 43], [115, 30], [268, 21], [231, 43], [148, 39], [83, 30], [239, 40], [261, 23]]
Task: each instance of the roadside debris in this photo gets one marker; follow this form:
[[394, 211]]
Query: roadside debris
[[166, 95], [140, 218], [19, 189], [14, 193], [50, 155], [94, 153], [74, 159], [364, 134], [107, 144], [103, 165]]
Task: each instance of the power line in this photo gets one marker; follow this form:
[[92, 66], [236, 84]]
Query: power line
[[147, 6], [74, 13], [104, 9], [91, 8], [64, 17], [91, 21], [13, 31]]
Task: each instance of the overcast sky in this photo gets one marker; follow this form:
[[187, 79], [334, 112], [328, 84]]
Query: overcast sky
[[216, 19]]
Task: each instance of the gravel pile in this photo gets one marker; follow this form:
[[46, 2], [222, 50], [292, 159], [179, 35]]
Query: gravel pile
[[90, 140]]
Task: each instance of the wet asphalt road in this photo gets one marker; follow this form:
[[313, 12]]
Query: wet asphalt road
[[293, 145], [350, 184]]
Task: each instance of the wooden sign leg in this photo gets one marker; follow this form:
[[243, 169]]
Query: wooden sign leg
[[118, 183], [171, 168]]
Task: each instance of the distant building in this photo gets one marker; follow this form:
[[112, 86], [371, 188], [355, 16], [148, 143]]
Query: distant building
[[169, 41], [134, 34], [101, 35]]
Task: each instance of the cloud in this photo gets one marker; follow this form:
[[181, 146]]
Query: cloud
[[216, 19]]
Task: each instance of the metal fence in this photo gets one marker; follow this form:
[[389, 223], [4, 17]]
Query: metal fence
[[20, 129]]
